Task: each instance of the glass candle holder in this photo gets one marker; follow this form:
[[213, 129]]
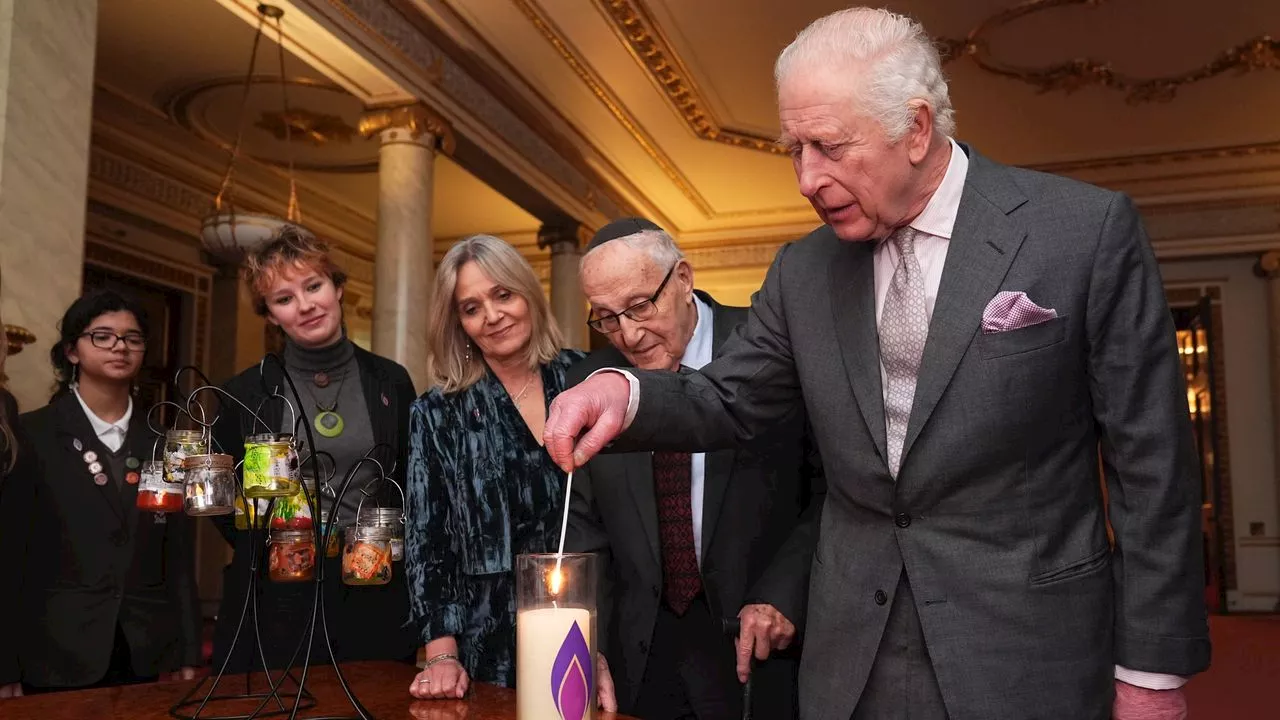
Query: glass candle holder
[[178, 446], [293, 512], [556, 636], [292, 556], [391, 518], [210, 485], [366, 558], [333, 545], [154, 494], [270, 466]]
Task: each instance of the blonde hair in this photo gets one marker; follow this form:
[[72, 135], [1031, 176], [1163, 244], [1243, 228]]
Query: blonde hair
[[290, 248], [454, 365]]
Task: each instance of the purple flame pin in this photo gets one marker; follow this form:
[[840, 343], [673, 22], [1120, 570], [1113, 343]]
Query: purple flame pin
[[571, 675]]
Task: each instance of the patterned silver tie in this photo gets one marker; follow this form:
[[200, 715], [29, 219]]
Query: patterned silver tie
[[904, 327]]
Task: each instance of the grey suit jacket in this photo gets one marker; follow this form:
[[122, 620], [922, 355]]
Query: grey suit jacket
[[760, 516], [997, 513]]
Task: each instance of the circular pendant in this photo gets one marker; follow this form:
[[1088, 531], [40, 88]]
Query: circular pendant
[[329, 424], [321, 379]]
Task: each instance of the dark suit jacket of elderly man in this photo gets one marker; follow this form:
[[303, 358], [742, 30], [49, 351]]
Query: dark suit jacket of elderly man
[[996, 515], [760, 513]]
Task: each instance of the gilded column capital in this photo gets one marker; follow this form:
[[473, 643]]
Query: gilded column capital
[[417, 120], [1268, 265], [567, 237]]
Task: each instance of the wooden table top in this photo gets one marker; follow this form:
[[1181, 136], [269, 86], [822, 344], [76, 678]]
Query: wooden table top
[[383, 688]]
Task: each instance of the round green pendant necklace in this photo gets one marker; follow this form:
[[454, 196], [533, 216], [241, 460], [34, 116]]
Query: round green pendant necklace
[[327, 421]]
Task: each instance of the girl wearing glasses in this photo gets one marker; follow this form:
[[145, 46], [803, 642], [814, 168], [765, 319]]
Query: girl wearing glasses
[[481, 488], [106, 591]]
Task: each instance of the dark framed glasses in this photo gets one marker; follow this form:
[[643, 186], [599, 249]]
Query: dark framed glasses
[[107, 340], [641, 311]]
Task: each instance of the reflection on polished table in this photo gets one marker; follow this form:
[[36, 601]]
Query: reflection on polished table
[[383, 688]]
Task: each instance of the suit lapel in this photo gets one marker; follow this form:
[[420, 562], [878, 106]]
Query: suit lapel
[[378, 402], [852, 276], [639, 473], [983, 245], [75, 429], [718, 466]]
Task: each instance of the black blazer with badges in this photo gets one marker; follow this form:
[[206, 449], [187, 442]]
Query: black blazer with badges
[[88, 559]]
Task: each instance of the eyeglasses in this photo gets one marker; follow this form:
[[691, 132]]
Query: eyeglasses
[[106, 340], [641, 311]]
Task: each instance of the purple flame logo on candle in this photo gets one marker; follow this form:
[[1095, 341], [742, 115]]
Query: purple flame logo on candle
[[571, 675]]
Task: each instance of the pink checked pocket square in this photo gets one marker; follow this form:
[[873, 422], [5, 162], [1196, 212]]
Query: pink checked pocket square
[[1013, 310]]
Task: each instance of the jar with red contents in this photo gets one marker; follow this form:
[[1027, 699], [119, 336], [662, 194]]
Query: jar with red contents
[[156, 495], [292, 556]]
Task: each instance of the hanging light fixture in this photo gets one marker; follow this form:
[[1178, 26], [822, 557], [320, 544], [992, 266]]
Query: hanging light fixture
[[227, 232]]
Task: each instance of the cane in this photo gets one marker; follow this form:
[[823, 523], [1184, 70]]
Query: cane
[[732, 626]]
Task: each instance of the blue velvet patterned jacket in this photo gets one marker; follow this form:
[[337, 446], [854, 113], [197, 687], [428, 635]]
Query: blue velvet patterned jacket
[[481, 490]]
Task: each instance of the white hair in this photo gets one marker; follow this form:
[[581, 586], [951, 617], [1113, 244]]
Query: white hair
[[660, 246], [901, 61]]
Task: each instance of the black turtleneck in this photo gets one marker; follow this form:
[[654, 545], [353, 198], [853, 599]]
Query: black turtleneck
[[338, 361]]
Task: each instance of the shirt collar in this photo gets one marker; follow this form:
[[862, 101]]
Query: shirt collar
[[698, 352], [102, 427], [939, 216]]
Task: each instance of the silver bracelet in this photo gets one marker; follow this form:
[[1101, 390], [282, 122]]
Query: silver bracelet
[[436, 660]]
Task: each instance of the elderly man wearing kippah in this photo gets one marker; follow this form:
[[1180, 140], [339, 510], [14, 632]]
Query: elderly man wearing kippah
[[688, 539]]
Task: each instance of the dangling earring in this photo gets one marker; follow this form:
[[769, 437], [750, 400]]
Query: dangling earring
[[75, 376], [468, 351], [136, 388]]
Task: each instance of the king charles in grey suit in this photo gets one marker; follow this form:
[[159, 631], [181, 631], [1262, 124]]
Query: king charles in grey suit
[[972, 344]]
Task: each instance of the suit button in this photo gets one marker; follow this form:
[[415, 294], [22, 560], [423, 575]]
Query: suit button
[[881, 597], [902, 520]]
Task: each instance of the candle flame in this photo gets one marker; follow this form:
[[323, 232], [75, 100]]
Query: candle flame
[[555, 580]]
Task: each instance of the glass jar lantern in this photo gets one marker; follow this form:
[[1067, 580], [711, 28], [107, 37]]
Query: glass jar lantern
[[271, 466], [178, 446], [154, 494], [209, 487], [293, 512], [292, 556], [391, 518], [366, 559], [333, 545]]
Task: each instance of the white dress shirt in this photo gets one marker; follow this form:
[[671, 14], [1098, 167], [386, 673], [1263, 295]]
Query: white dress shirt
[[111, 434], [696, 354]]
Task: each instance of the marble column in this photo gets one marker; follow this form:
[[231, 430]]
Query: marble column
[[46, 98], [567, 301], [403, 273]]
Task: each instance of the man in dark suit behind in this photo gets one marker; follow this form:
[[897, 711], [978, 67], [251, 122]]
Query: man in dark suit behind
[[688, 539], [967, 339]]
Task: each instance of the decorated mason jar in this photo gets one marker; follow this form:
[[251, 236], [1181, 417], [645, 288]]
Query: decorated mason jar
[[366, 557], [391, 518], [270, 466], [293, 512], [178, 446], [210, 485], [333, 545], [154, 494], [291, 556]]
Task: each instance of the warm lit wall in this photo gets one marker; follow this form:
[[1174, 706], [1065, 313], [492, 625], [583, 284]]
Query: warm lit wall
[[1253, 472]]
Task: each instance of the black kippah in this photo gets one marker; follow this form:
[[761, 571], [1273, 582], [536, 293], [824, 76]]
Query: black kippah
[[620, 228]]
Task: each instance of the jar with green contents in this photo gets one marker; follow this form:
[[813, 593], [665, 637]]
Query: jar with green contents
[[334, 544], [178, 446], [271, 466]]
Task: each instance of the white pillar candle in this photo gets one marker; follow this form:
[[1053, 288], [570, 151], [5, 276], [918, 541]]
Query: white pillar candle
[[554, 668]]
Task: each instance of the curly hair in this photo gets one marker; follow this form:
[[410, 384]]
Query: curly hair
[[289, 248]]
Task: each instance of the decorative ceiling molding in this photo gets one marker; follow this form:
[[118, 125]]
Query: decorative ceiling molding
[[394, 29], [547, 28], [1227, 152], [311, 127], [644, 39], [1259, 53]]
